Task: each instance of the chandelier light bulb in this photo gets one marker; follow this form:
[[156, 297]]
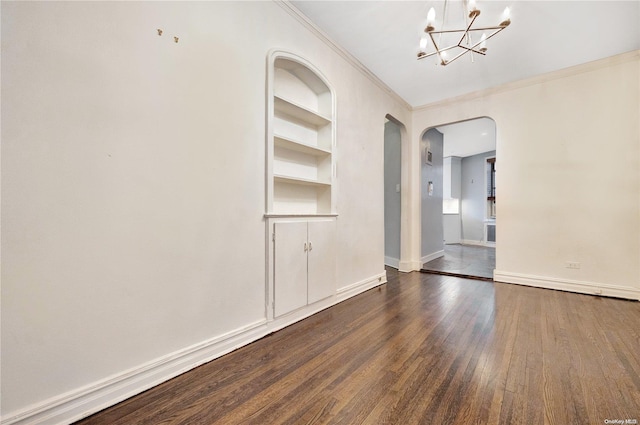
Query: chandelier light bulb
[[443, 58], [483, 43], [473, 9], [431, 20], [431, 16], [424, 41], [506, 17]]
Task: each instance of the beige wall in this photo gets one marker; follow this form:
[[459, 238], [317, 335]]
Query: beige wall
[[568, 149], [133, 182]]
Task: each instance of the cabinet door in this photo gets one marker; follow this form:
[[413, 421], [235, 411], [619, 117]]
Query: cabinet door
[[290, 266], [321, 260]]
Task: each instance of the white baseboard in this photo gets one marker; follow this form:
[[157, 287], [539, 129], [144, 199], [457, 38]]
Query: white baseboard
[[583, 287], [82, 402], [392, 262], [77, 404], [431, 257], [409, 266], [359, 287]]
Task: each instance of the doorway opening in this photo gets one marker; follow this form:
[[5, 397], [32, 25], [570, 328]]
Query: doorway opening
[[392, 192], [459, 202]]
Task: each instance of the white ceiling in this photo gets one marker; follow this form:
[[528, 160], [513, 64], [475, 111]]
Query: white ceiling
[[543, 36], [468, 137]]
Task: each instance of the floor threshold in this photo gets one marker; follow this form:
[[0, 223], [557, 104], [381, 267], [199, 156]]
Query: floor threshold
[[461, 275]]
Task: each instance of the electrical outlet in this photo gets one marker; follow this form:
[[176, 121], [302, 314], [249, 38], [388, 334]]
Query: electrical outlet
[[572, 265]]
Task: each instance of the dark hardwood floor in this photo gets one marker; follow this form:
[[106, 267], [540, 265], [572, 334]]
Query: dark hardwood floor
[[422, 349], [464, 260]]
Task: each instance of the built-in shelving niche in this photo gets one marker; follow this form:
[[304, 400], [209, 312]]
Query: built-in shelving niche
[[300, 139]]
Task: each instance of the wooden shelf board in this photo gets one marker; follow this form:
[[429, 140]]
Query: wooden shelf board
[[300, 181], [293, 145], [300, 112]]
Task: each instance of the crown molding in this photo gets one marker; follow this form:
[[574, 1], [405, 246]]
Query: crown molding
[[537, 79], [306, 22]]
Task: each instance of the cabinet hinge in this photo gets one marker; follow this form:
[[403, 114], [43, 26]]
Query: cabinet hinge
[[273, 236]]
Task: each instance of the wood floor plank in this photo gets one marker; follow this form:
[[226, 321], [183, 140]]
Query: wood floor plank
[[422, 349]]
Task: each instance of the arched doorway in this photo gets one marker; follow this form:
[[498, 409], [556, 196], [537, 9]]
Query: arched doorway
[[458, 198], [392, 193]]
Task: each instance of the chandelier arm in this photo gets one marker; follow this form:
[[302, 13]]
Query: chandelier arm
[[466, 32], [444, 25], [474, 15], [497, 29], [445, 31], [472, 48], [464, 52], [453, 46], [495, 32], [427, 55], [435, 45], [433, 40]]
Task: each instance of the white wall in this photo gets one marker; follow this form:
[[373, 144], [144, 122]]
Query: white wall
[[452, 183], [474, 196], [431, 204], [392, 193], [553, 207], [133, 190], [452, 177]]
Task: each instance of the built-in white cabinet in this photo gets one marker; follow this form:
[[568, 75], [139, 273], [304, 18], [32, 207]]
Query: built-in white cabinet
[[301, 185], [300, 138], [290, 266], [303, 263]]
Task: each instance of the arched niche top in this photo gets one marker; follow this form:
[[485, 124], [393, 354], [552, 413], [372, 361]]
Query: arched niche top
[[481, 118], [296, 79], [468, 137]]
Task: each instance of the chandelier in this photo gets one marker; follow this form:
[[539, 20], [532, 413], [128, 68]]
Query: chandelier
[[467, 37]]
